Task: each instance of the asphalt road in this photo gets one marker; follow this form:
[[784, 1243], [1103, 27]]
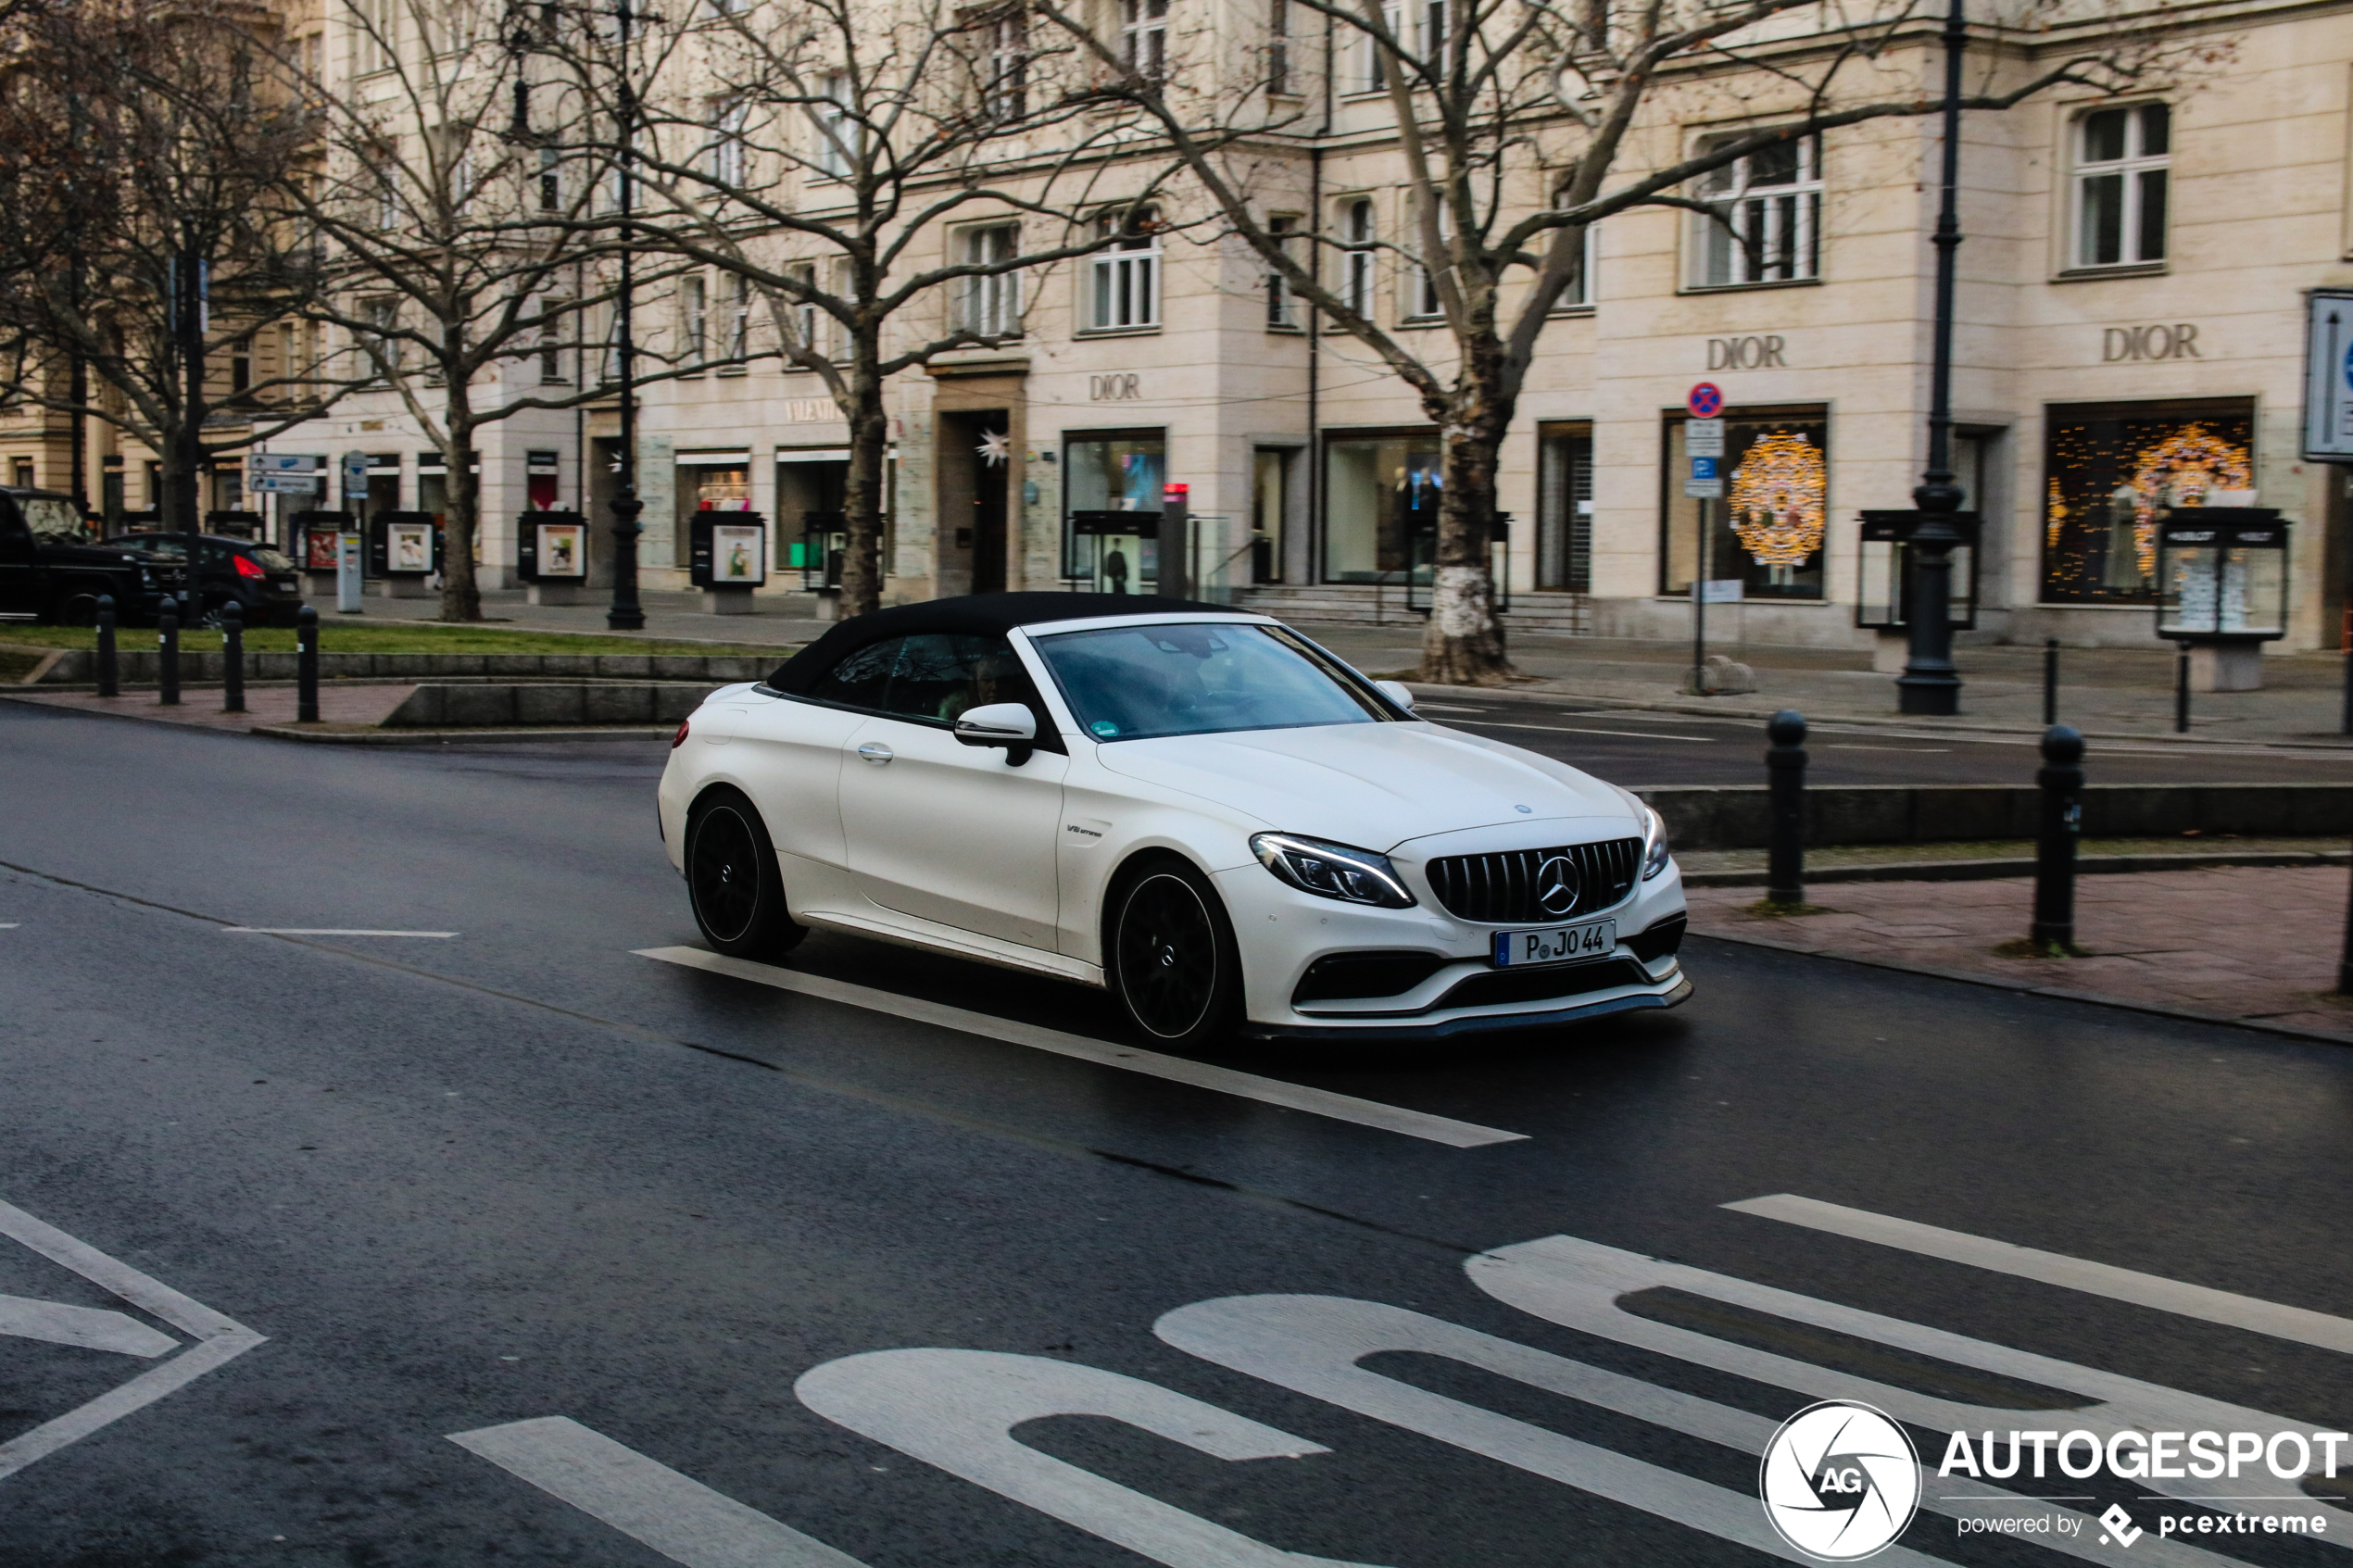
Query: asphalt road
[[663, 1245], [1634, 746]]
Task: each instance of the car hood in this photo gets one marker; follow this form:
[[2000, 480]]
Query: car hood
[[1372, 785]]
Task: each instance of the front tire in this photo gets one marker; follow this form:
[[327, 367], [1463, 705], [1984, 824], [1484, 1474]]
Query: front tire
[[1175, 966], [732, 880]]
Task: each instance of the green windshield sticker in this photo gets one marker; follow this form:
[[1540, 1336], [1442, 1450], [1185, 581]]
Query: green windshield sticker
[[1104, 728]]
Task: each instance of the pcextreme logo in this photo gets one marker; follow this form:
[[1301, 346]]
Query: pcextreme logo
[[1840, 1481]]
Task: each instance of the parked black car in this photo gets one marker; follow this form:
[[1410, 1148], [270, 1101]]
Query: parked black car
[[265, 583], [53, 568]]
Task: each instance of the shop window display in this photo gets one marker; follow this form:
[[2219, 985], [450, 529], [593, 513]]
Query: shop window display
[[1768, 530], [2112, 472]]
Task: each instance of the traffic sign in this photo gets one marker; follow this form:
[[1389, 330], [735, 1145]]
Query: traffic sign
[[2328, 376], [1705, 400], [282, 484], [283, 462], [1703, 438], [1704, 482]]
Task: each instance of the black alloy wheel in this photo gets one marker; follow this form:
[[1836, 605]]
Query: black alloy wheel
[[1174, 964], [732, 878]]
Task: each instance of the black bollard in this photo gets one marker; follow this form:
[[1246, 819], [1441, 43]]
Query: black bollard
[[2182, 691], [109, 675], [168, 653], [307, 666], [2050, 682], [2061, 781], [1785, 833], [233, 657]]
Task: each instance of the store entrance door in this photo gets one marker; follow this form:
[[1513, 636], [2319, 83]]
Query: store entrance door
[[976, 473]]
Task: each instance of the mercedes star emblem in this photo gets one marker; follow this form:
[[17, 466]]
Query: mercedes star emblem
[[1556, 886]]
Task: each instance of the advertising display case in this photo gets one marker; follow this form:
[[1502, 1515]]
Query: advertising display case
[[1119, 551], [2222, 584], [552, 547], [727, 558], [404, 549], [1884, 602]]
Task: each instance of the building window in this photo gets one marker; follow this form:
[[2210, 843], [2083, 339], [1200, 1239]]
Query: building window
[[1004, 90], [1565, 509], [1285, 311], [2111, 472], [1380, 505], [551, 181], [1427, 303], [1768, 532], [1143, 37], [1278, 47], [1767, 226], [992, 301], [381, 312], [739, 323], [694, 319], [1356, 235], [838, 136], [1582, 266], [1126, 290], [23, 467], [240, 373], [2123, 159], [379, 24], [1372, 55], [728, 159], [551, 339], [1269, 510]]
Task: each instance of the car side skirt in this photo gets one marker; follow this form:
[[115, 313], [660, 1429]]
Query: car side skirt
[[934, 939]]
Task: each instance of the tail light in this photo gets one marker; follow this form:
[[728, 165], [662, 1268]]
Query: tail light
[[680, 738], [248, 567]]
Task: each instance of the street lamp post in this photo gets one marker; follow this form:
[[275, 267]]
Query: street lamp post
[[626, 615], [1930, 685]]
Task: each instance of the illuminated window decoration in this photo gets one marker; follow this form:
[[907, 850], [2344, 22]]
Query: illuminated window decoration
[[1777, 497], [2113, 472]]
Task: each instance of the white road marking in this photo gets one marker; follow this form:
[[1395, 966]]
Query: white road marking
[[680, 1518], [88, 1328], [326, 931], [1573, 730], [2300, 1325], [1908, 750], [10, 925], [1445, 708], [219, 1339], [1225, 1080], [958, 1410]]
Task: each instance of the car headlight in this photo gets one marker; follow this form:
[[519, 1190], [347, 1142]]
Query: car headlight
[[1656, 857], [1332, 871]]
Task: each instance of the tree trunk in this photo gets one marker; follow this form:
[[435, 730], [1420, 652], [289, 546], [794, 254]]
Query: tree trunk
[[460, 589], [862, 500], [1463, 643]]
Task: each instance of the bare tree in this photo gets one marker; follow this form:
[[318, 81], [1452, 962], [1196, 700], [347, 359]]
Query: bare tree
[[135, 244], [459, 230], [818, 152], [1520, 124]]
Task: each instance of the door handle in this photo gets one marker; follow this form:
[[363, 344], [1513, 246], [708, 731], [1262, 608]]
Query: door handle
[[875, 751]]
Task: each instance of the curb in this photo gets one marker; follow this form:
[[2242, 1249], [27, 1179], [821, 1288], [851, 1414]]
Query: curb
[[459, 736], [1976, 870], [1531, 693], [2027, 988]]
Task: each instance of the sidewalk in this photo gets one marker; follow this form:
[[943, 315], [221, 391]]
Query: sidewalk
[[778, 622], [2106, 693], [2253, 946]]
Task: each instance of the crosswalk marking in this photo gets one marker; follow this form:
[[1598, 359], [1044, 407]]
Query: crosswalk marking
[[2298, 1324], [1225, 1080], [680, 1518], [88, 1328]]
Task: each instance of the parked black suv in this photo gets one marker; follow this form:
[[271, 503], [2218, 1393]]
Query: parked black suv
[[53, 569], [262, 580]]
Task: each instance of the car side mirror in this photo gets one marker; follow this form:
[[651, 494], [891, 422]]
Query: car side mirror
[[1396, 692], [1009, 724]]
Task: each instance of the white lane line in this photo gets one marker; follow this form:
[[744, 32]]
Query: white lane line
[[1225, 1080], [1908, 750], [2300, 1325], [10, 925], [1573, 730], [680, 1518], [88, 1328], [221, 1339], [326, 931]]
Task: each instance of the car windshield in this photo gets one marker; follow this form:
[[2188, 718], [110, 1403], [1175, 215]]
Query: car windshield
[[53, 518], [1132, 683]]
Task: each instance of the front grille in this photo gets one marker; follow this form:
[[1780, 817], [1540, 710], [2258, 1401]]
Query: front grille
[[1501, 889]]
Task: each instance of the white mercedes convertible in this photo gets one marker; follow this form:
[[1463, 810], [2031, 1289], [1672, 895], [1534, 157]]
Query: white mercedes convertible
[[1199, 811]]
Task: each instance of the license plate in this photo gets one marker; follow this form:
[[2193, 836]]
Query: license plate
[[1558, 944]]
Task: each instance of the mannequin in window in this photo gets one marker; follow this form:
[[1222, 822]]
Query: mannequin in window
[[1115, 570]]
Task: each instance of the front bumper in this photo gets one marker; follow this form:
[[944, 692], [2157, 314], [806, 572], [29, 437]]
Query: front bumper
[[1282, 932]]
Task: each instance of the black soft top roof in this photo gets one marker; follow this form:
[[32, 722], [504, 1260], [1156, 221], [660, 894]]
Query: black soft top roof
[[979, 614]]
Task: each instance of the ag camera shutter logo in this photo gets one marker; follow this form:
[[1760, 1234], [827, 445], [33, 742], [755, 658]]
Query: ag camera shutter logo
[[1840, 1481]]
